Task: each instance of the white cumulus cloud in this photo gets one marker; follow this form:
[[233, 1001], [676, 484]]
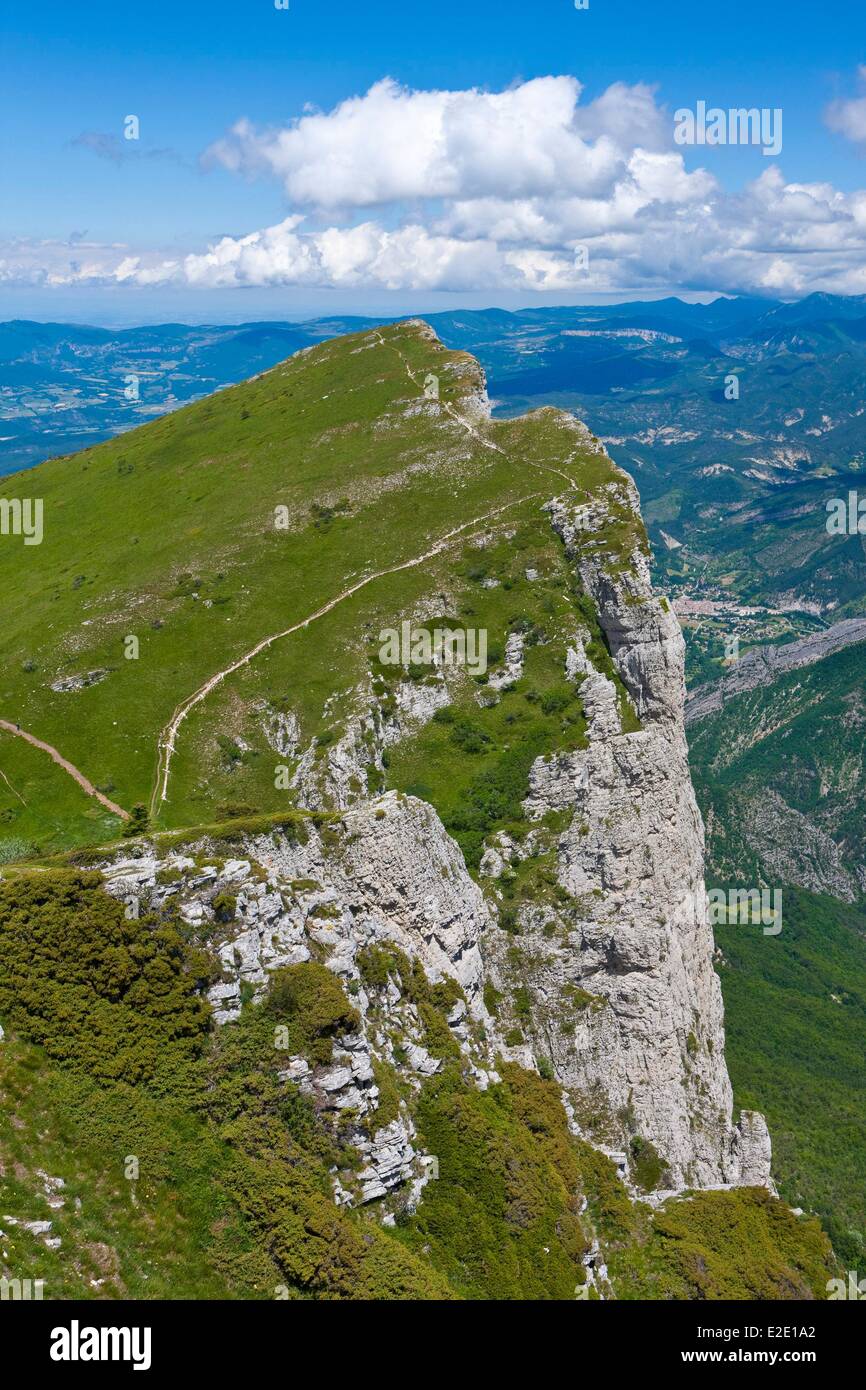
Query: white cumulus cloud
[[393, 144], [528, 189], [849, 116]]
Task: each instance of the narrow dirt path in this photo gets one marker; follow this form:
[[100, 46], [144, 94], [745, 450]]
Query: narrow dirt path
[[166, 745], [467, 424], [11, 788], [83, 782], [166, 742]]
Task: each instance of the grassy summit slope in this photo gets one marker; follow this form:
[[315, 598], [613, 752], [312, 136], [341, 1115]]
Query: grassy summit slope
[[172, 535]]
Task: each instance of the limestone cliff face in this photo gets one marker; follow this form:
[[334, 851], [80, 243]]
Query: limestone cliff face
[[626, 1003]]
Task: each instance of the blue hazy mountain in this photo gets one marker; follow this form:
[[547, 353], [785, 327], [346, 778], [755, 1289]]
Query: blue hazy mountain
[[65, 386]]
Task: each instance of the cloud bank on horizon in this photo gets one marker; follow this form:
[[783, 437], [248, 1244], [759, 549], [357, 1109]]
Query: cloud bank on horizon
[[525, 189]]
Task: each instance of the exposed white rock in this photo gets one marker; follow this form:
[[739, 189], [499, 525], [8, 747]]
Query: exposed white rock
[[492, 863], [635, 940], [752, 1150], [36, 1228], [403, 879], [390, 1161], [577, 662], [417, 702], [335, 1079], [335, 776], [601, 706], [512, 668], [386, 873], [236, 868], [64, 684], [282, 731]]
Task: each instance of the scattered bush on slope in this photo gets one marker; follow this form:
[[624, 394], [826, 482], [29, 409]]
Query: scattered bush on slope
[[742, 1244], [113, 995]]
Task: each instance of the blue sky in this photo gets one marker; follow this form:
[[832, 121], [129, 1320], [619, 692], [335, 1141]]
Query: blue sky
[[191, 71]]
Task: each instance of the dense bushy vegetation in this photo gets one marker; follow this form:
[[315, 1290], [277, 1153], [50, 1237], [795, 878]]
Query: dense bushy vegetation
[[231, 1162], [310, 1005], [494, 796], [741, 1244], [114, 995], [502, 1221], [432, 1002]]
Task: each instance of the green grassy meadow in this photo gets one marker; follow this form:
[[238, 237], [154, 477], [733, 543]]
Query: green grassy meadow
[[169, 535]]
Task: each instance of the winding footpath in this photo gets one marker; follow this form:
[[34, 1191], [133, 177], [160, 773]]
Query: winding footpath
[[467, 424], [167, 738], [166, 746], [84, 783]]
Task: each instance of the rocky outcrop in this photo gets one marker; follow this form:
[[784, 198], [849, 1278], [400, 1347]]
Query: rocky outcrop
[[794, 848], [624, 999], [64, 684], [512, 666], [752, 1150], [384, 874], [764, 665], [282, 731], [337, 776]]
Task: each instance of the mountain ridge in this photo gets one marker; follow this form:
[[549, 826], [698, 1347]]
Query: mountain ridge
[[467, 879]]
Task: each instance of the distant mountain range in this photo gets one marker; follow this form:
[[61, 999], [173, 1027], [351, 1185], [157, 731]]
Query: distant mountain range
[[66, 387], [738, 420]]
